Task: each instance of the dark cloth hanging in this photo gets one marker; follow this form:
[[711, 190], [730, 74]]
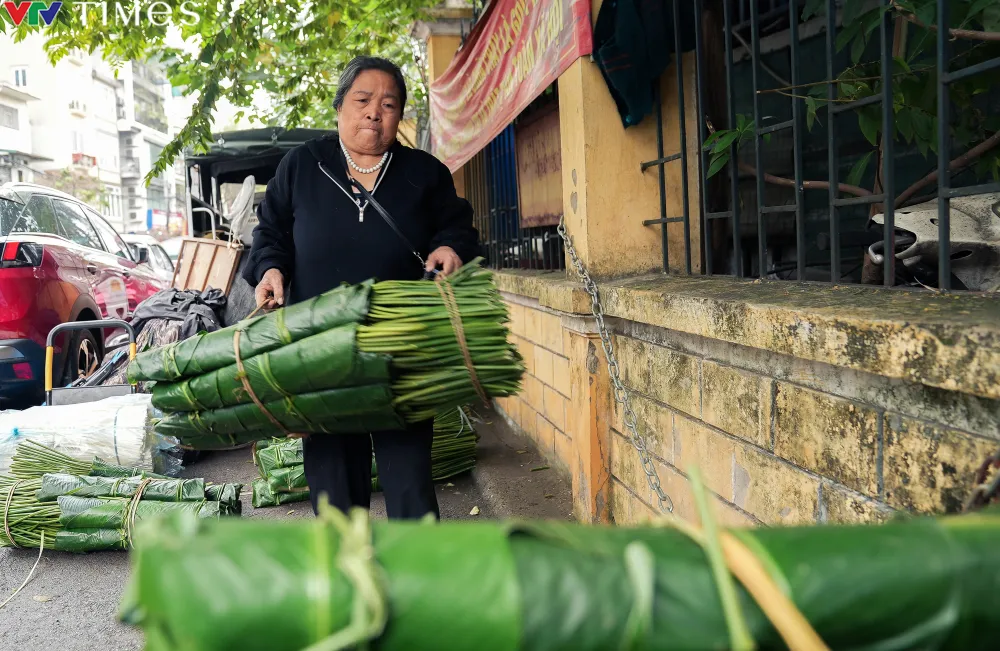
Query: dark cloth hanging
[[633, 45]]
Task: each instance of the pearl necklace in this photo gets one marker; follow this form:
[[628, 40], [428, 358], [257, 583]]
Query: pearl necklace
[[363, 170]]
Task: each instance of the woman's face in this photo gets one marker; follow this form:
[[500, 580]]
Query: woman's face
[[370, 114]]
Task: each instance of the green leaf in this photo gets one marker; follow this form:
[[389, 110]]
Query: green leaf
[[869, 125], [927, 13], [858, 48], [872, 20], [852, 9], [767, 137], [846, 35], [904, 123], [991, 18], [712, 138], [810, 112], [814, 8], [728, 138], [978, 6], [718, 162], [858, 169], [818, 91]]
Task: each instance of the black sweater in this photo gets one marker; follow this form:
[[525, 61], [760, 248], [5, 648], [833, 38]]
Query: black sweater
[[310, 231]]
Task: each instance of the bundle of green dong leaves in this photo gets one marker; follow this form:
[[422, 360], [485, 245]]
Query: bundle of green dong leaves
[[360, 358], [335, 583], [43, 505], [282, 478]]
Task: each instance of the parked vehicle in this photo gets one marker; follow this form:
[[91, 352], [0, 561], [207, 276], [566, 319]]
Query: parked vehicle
[[172, 247], [60, 261], [232, 157], [146, 250]]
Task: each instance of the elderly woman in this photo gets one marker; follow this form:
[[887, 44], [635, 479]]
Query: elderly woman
[[317, 231]]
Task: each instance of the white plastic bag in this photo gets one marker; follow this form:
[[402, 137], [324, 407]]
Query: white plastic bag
[[117, 430]]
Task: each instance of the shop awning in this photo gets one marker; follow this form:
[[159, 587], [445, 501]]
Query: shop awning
[[516, 50]]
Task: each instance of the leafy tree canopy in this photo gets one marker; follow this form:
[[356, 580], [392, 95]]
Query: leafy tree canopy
[[292, 50]]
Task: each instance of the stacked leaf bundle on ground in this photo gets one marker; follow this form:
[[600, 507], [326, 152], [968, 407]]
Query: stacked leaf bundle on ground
[[922, 583], [360, 358], [282, 478], [90, 513], [33, 460]]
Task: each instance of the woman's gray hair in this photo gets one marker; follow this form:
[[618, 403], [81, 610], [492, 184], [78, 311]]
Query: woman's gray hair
[[359, 65]]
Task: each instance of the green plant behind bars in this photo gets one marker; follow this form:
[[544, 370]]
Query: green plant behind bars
[[974, 23]]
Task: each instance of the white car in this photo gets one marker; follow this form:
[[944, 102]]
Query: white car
[[148, 251], [173, 247]]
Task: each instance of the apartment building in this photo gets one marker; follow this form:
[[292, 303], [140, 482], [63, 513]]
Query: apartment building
[[93, 131], [16, 153]]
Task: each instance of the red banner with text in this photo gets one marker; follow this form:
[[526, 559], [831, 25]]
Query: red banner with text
[[516, 50]]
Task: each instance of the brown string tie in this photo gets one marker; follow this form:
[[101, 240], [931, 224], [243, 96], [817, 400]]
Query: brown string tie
[[6, 508], [132, 508], [451, 304], [249, 389]]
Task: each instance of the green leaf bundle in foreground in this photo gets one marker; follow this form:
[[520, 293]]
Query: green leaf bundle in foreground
[[286, 585]]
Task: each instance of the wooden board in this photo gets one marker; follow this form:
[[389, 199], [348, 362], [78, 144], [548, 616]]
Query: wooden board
[[539, 168], [206, 263]]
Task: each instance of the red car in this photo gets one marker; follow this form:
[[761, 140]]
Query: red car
[[59, 261]]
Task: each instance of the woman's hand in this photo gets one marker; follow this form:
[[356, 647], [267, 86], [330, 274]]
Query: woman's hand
[[446, 258], [270, 292]]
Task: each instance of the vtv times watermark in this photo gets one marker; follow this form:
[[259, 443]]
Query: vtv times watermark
[[134, 13]]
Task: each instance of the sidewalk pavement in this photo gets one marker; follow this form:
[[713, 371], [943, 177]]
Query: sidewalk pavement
[[70, 603]]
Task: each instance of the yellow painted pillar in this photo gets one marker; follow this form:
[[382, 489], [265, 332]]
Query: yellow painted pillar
[[606, 195], [588, 423]]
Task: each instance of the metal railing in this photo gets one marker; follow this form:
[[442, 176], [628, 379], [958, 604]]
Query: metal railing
[[760, 216], [491, 187]]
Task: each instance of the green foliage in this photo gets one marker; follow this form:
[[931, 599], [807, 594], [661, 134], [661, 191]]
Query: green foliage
[[292, 51], [914, 80], [719, 144]]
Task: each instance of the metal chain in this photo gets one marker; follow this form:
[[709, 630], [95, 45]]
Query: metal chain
[[986, 485], [621, 392]]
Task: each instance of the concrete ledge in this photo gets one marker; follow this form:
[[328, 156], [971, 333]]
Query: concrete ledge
[[949, 341], [552, 289]]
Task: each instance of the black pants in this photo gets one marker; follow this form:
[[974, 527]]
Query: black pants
[[340, 466]]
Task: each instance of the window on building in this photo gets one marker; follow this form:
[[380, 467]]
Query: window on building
[[74, 225], [20, 176], [9, 117], [21, 76], [79, 142]]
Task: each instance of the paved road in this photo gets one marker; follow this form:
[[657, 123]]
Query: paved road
[[70, 603]]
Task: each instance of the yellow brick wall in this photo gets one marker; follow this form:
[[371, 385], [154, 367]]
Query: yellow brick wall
[[773, 445], [774, 452], [540, 411]]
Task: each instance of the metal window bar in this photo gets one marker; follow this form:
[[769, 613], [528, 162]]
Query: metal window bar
[[491, 188], [734, 174], [662, 160]]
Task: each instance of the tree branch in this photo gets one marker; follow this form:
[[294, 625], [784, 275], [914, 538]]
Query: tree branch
[[968, 34], [806, 185], [962, 161]]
